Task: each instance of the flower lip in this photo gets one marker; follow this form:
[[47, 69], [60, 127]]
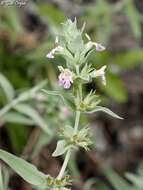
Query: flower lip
[[99, 47]]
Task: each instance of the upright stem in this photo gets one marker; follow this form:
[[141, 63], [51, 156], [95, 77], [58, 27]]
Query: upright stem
[[76, 121], [77, 118], [65, 163], [68, 154]]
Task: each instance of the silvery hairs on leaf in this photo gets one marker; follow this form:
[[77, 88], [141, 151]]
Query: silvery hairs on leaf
[[26, 170]]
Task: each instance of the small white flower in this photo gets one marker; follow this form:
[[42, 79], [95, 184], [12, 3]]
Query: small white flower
[[99, 47], [100, 73], [57, 49]]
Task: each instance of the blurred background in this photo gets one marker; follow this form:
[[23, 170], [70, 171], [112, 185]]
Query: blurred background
[[29, 120]]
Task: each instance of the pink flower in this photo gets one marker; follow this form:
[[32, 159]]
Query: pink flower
[[65, 78]]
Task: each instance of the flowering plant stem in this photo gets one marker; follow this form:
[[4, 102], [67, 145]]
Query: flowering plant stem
[[78, 71], [68, 154]]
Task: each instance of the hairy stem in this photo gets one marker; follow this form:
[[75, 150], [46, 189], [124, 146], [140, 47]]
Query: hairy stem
[[68, 154], [77, 118], [65, 163], [76, 121]]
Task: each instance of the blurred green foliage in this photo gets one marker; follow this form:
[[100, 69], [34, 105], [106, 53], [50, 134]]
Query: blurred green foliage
[[118, 182]]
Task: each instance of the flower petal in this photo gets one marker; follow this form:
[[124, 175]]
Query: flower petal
[[50, 55], [99, 47]]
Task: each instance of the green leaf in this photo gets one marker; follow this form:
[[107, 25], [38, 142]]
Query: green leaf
[[106, 110], [89, 183], [29, 93], [136, 180], [117, 181], [129, 59], [61, 148], [7, 87], [4, 178], [34, 115], [26, 170], [11, 22], [134, 17], [15, 117]]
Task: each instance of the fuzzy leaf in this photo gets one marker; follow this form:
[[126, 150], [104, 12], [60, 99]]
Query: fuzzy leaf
[[117, 181], [15, 117], [61, 148], [26, 170], [106, 110], [137, 180], [88, 184], [29, 93], [34, 115]]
